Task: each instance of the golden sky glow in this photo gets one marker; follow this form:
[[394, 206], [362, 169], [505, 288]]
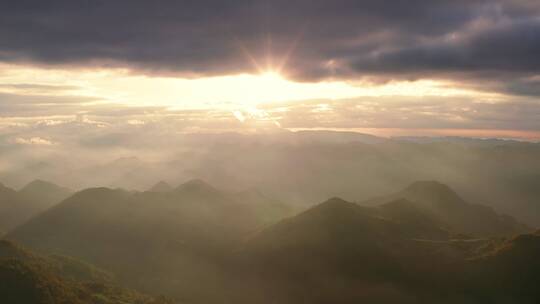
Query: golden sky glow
[[231, 91], [243, 67], [263, 100]]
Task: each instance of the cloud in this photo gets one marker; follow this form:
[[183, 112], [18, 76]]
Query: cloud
[[41, 105], [525, 86], [37, 87], [135, 122], [499, 48], [123, 127], [321, 39], [38, 141], [239, 115], [409, 113]]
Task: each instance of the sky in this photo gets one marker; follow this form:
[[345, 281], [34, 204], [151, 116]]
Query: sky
[[389, 68]]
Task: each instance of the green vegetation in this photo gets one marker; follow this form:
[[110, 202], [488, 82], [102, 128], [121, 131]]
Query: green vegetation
[[28, 278]]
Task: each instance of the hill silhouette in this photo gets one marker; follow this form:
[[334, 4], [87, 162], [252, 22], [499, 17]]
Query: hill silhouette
[[340, 251], [12, 211], [196, 185], [161, 186], [199, 244], [186, 233], [45, 193], [16, 207], [369, 257], [443, 206]]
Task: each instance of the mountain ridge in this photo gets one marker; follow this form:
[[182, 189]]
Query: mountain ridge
[[161, 186], [453, 213]]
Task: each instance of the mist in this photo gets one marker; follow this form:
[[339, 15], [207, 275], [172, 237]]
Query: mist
[[297, 167]]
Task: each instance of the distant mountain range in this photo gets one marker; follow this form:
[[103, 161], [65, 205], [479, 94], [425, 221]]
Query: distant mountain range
[[306, 167], [199, 244]]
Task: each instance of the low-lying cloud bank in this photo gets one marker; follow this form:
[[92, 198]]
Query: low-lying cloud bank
[[72, 117]]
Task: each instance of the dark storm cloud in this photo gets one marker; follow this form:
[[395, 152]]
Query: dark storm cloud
[[339, 38], [506, 48]]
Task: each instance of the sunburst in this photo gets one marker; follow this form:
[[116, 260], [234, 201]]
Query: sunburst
[[270, 66]]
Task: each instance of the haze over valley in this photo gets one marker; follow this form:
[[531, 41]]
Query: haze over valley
[[199, 244]]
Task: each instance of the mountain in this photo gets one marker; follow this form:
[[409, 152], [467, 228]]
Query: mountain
[[10, 208], [45, 193], [407, 213], [146, 238], [199, 244], [335, 230], [341, 252], [16, 207], [498, 173], [161, 186], [30, 278], [438, 203], [508, 273], [196, 185]]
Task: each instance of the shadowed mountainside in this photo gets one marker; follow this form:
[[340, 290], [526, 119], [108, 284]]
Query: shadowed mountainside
[[16, 207], [46, 193], [30, 278], [444, 207], [10, 205], [199, 244], [177, 239], [341, 252]]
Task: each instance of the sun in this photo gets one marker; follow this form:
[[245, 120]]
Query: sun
[[274, 85], [272, 76]]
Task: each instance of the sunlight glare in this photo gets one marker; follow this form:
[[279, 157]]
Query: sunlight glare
[[220, 92]]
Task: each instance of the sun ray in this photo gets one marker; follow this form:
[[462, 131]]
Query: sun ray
[[248, 55], [269, 63], [290, 51]]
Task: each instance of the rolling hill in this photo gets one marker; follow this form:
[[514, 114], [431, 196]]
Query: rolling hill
[[161, 186], [199, 244], [44, 194], [443, 206], [341, 252], [176, 238], [16, 207], [29, 278], [11, 211]]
